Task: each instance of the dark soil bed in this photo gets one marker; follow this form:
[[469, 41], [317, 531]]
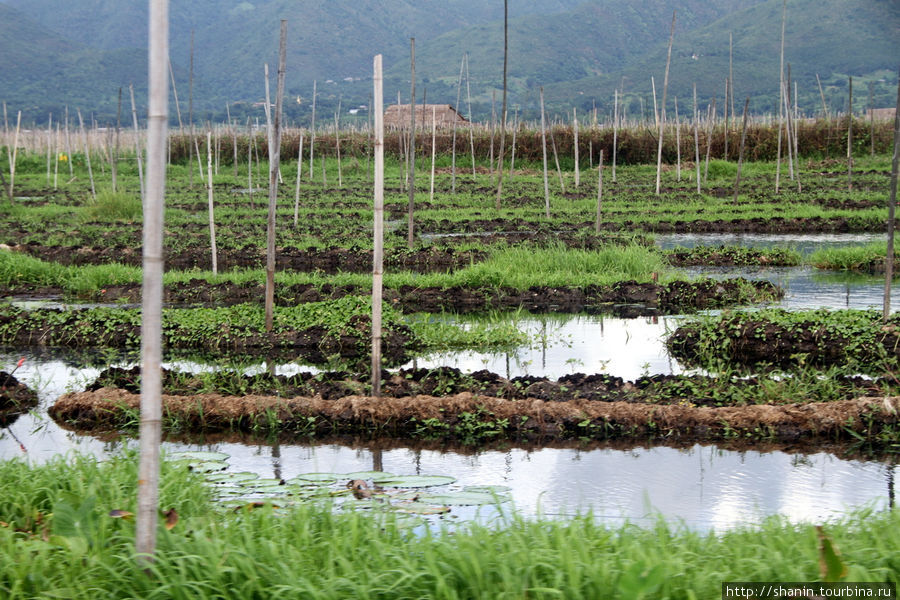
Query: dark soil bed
[[472, 417], [15, 398]]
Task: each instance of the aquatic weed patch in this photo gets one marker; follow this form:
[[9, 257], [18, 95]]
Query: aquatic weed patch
[[854, 340]]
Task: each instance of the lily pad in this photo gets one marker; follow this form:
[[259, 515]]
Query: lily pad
[[368, 475], [226, 478], [415, 481], [420, 508], [488, 489], [198, 455], [316, 478], [207, 466], [463, 498]]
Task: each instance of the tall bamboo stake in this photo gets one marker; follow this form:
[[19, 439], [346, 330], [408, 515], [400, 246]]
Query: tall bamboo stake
[[726, 131], [871, 122], [69, 146], [114, 166], [790, 135], [737, 179], [599, 193], [410, 226], [209, 188], [151, 293], [234, 148], [50, 143], [87, 153], [469, 106], [512, 158], [433, 148], [453, 145], [274, 160], [562, 186], [503, 109], [892, 203], [697, 138], [312, 134], [137, 142], [822, 96], [677, 143], [378, 234], [12, 158], [544, 150], [850, 135], [575, 141], [615, 131], [662, 120], [781, 100], [297, 186], [709, 131], [337, 143], [56, 163]]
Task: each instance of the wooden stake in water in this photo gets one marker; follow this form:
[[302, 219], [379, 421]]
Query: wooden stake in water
[[209, 188], [274, 159], [151, 292], [544, 149], [378, 234], [87, 154], [297, 187], [662, 119], [599, 193], [892, 203], [737, 180], [410, 226]]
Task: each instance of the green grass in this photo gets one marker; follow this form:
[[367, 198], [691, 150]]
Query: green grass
[[854, 258], [67, 546]]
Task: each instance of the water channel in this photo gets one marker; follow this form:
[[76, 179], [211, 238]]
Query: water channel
[[701, 487]]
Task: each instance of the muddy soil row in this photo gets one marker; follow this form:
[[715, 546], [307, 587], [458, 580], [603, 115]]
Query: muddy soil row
[[694, 390], [329, 260], [628, 298], [471, 417]]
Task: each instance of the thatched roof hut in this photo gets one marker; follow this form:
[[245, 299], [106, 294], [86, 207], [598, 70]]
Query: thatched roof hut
[[397, 115]]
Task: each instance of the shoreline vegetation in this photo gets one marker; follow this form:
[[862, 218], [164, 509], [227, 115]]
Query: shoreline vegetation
[[68, 522]]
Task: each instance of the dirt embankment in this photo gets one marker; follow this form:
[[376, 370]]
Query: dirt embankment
[[15, 399], [473, 417]]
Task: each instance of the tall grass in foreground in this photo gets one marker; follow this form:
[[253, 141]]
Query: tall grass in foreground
[[69, 547]]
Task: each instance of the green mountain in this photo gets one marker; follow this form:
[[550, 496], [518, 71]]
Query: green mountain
[[81, 52]]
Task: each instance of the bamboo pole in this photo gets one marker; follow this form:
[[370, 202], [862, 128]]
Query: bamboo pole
[[312, 134], [871, 122], [850, 135], [544, 149], [209, 188], [615, 132], [87, 154], [662, 116], [892, 203], [337, 143], [677, 143], [274, 160], [234, 148], [433, 148], [780, 101], [453, 145], [12, 157], [137, 142], [114, 166], [69, 146], [504, 106], [599, 193], [56, 163], [790, 134], [493, 119], [378, 233], [737, 179], [410, 226], [822, 96], [709, 132], [50, 143], [471, 121], [697, 139], [562, 186], [575, 141], [512, 158], [297, 186], [151, 292]]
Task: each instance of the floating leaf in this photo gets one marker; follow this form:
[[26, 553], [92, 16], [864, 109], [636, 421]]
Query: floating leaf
[[463, 498], [232, 477], [415, 481], [368, 475], [420, 508], [488, 489], [317, 478], [121, 514], [198, 455], [831, 566]]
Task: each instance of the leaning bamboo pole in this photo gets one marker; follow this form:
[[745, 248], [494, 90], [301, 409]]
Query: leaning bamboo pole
[[737, 179], [453, 145], [892, 203], [152, 290], [274, 159], [137, 142], [378, 233], [662, 116], [209, 189], [87, 153], [12, 157], [469, 106], [544, 149]]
